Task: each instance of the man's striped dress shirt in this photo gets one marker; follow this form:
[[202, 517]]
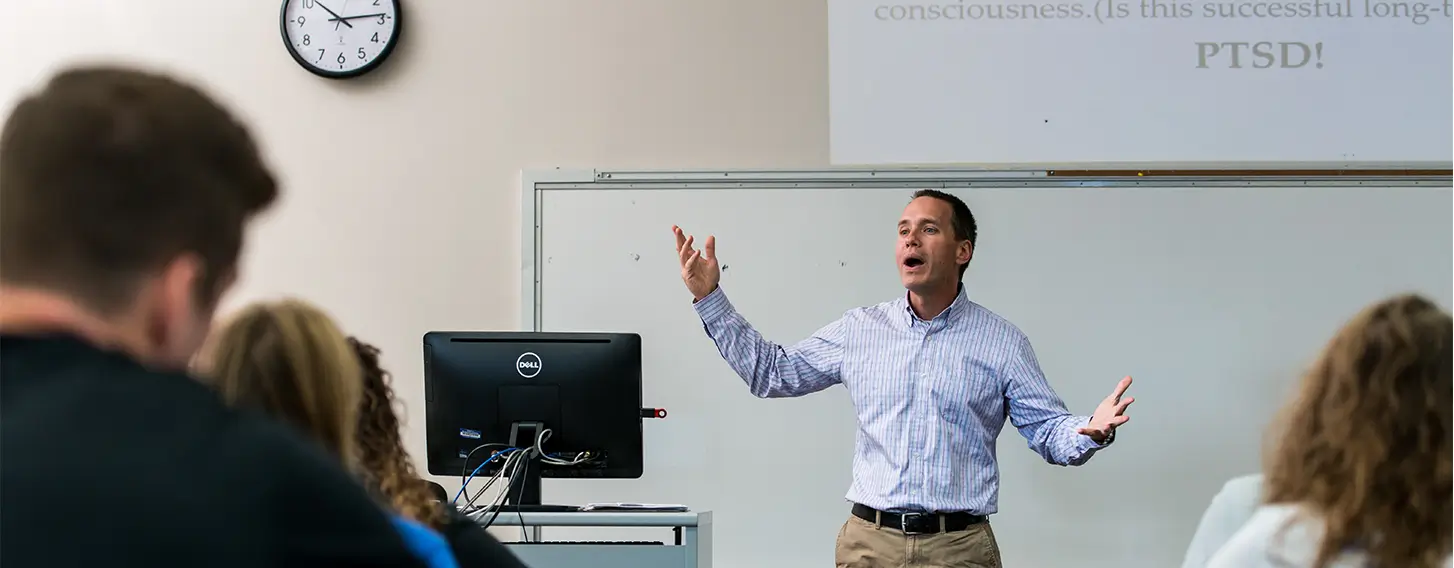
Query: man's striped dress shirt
[[931, 396]]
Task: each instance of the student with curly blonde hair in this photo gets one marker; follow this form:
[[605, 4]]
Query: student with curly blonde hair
[[390, 473], [1359, 474]]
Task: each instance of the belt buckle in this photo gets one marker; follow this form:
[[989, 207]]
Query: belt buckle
[[906, 518]]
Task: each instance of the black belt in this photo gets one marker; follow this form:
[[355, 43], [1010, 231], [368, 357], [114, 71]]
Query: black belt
[[918, 523]]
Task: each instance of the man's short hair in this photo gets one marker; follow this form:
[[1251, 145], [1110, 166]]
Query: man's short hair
[[109, 173], [962, 219]]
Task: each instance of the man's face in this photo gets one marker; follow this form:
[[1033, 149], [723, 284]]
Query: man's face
[[929, 255]]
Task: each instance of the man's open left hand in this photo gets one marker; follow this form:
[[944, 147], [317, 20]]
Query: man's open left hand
[[1110, 414]]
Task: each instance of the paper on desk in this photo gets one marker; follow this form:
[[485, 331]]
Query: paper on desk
[[634, 507]]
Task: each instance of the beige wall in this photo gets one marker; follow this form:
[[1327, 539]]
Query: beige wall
[[401, 211]]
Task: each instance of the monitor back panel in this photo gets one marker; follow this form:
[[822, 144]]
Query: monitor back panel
[[585, 387]]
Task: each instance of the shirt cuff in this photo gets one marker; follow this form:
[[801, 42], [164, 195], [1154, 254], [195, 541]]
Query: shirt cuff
[[713, 307], [1083, 442]]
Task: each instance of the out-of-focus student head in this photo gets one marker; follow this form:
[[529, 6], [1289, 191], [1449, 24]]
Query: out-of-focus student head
[[124, 197], [1360, 466], [1366, 443], [290, 360], [382, 459]]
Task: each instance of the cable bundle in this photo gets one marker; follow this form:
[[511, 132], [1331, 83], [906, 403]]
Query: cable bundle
[[515, 461]]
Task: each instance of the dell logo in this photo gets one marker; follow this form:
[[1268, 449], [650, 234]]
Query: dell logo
[[528, 365]]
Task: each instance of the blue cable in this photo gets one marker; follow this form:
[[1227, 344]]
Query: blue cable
[[482, 465]]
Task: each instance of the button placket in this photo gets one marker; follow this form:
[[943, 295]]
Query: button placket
[[924, 391]]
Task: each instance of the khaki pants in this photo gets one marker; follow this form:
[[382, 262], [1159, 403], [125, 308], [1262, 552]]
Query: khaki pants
[[861, 544]]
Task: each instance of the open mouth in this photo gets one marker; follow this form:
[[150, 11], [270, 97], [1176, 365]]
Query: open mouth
[[913, 262]]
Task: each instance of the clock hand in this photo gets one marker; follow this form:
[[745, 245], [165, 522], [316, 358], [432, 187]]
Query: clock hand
[[335, 16], [339, 19]]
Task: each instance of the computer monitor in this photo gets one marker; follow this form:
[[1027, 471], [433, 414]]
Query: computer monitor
[[504, 388]]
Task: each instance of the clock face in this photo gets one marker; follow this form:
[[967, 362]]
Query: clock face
[[340, 38]]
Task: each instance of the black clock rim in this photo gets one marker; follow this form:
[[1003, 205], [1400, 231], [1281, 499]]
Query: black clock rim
[[370, 66]]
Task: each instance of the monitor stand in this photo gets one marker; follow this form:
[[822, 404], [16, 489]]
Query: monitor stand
[[523, 493]]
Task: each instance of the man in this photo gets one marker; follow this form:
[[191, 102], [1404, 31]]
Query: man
[[123, 200], [932, 376]]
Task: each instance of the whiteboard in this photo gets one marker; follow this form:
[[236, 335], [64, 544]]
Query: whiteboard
[[1212, 294], [1140, 81]]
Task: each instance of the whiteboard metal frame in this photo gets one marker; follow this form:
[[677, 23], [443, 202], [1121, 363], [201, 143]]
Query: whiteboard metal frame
[[534, 183]]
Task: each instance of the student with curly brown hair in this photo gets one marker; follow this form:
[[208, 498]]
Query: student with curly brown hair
[[1360, 472], [388, 470]]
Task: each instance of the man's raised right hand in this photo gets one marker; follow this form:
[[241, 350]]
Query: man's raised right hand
[[700, 271]]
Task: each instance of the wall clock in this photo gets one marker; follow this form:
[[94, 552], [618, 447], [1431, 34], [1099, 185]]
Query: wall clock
[[339, 39]]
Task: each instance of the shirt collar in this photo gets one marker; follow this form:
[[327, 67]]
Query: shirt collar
[[955, 309]]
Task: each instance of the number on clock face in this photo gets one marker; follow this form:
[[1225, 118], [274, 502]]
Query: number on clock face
[[340, 38]]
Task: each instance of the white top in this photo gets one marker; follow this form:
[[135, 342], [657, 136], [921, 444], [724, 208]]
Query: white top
[[1280, 536], [1229, 510]]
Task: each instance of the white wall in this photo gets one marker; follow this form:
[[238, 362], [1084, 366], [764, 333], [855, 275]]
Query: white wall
[[401, 207]]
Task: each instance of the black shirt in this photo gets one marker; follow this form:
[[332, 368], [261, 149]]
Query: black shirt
[[106, 463]]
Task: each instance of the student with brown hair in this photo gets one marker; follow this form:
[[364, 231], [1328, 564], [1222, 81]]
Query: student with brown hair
[[124, 198], [288, 360], [1360, 472], [386, 466]]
